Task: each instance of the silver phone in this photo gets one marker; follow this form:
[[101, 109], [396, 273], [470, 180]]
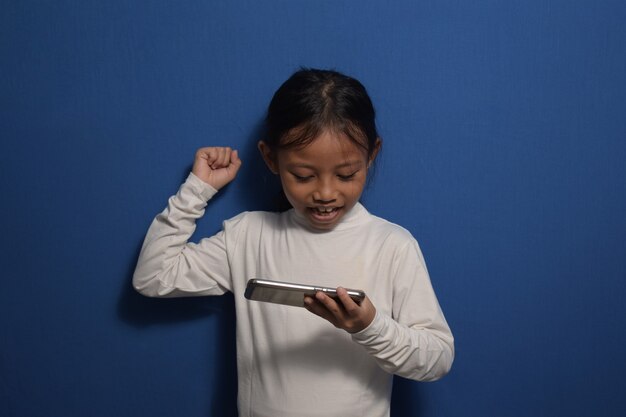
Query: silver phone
[[291, 294]]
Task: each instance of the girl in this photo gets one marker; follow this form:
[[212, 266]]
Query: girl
[[321, 140]]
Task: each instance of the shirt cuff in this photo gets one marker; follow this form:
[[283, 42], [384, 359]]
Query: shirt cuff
[[200, 188], [372, 331]]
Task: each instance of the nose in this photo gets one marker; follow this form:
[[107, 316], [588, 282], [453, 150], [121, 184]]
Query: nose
[[324, 193], [323, 200]]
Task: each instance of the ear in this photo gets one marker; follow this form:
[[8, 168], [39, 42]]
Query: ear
[[269, 159], [377, 147]]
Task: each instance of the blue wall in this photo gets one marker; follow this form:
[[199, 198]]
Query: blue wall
[[505, 155]]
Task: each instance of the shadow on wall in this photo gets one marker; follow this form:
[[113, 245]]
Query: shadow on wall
[[262, 190], [140, 312], [406, 398]]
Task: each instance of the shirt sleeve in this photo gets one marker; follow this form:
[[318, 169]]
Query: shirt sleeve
[[170, 266], [415, 343]]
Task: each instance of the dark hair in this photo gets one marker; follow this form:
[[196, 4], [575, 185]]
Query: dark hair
[[314, 100]]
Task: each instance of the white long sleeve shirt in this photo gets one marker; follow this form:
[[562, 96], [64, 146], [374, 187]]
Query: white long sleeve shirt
[[291, 362]]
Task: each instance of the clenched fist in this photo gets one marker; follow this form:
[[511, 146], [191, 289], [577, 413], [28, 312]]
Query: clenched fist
[[217, 166]]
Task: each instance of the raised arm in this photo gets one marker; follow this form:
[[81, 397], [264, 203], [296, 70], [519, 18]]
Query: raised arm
[[170, 266]]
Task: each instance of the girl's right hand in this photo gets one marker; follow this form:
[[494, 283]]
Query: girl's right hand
[[217, 166]]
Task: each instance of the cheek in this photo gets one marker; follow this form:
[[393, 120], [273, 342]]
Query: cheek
[[356, 188], [294, 192]]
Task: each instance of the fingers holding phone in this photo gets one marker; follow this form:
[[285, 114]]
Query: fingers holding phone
[[342, 312]]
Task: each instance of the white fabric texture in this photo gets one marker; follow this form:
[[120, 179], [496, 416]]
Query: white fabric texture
[[291, 362]]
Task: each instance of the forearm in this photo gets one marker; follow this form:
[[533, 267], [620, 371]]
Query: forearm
[[422, 354]]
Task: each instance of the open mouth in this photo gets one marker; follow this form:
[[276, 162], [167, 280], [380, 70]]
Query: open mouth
[[324, 213]]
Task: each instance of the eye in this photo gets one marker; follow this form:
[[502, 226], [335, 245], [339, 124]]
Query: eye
[[347, 177], [301, 178]]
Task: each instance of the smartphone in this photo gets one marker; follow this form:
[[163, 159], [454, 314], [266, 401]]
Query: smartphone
[[290, 294]]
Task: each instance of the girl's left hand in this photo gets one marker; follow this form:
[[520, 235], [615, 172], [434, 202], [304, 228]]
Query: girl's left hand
[[344, 313]]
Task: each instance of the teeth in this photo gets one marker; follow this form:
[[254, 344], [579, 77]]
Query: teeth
[[325, 209]]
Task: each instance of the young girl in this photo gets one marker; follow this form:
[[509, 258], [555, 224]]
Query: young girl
[[331, 358]]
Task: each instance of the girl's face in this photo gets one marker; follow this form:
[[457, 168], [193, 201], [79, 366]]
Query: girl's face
[[323, 180]]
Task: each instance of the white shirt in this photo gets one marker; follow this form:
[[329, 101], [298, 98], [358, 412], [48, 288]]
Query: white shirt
[[291, 362]]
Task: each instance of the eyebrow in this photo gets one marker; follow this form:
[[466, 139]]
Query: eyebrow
[[343, 165]]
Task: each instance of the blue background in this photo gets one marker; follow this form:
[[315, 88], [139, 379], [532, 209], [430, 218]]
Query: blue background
[[504, 153]]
